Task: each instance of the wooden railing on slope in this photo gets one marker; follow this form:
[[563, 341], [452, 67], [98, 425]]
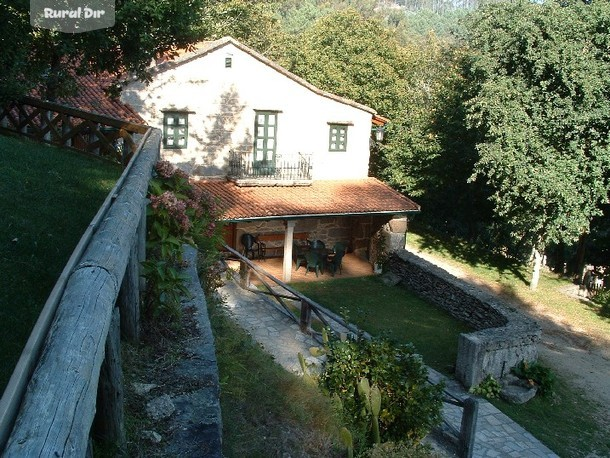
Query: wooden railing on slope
[[71, 367], [68, 127]]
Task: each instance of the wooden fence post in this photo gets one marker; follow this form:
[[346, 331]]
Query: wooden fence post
[[468, 427], [305, 321], [244, 274], [109, 422], [129, 297]]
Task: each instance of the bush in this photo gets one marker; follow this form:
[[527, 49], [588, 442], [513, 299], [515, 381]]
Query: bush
[[410, 406], [178, 213], [488, 388], [536, 373]]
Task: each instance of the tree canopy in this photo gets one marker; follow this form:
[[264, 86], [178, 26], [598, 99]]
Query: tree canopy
[[542, 106]]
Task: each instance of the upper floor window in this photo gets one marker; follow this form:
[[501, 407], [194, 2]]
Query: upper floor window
[[175, 129], [337, 137], [265, 130]]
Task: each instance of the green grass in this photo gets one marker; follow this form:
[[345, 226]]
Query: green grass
[[266, 410], [565, 422], [393, 312], [48, 197]]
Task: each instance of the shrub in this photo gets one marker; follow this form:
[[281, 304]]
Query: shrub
[[535, 373], [410, 406], [488, 388], [178, 213]]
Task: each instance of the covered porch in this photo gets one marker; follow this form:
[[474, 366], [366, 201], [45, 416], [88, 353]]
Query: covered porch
[[349, 212], [353, 266]]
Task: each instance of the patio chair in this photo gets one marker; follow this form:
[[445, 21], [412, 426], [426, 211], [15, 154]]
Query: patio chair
[[314, 262], [336, 261], [253, 246], [317, 245], [298, 255]]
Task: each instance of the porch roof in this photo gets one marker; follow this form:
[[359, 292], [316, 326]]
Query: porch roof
[[322, 198]]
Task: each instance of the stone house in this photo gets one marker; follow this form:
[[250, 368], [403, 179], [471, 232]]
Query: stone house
[[286, 159]]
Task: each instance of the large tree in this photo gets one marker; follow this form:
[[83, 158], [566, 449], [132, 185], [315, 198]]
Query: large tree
[[542, 106], [49, 60]]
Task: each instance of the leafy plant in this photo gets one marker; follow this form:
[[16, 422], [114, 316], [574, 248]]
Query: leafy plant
[[488, 388], [411, 405], [535, 373], [179, 213]]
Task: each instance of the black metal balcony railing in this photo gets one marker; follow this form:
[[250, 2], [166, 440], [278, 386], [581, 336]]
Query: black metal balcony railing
[[286, 169]]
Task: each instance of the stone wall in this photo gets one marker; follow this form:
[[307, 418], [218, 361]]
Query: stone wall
[[503, 336]]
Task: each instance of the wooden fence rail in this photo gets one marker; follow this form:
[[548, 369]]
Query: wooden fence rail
[[68, 127], [50, 411]]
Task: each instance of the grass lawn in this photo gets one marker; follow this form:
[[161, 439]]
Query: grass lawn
[[393, 312], [48, 197], [267, 411]]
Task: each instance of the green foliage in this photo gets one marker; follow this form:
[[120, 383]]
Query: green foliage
[[536, 374], [179, 213], [488, 388], [411, 406], [540, 102], [49, 60], [398, 450], [348, 441]]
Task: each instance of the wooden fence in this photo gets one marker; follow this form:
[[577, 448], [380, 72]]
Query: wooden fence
[[308, 310], [70, 372], [68, 127]]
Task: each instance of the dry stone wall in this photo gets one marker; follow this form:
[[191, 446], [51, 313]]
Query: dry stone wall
[[503, 336]]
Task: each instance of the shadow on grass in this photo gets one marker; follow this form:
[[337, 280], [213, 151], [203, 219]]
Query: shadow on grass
[[471, 254], [600, 305]]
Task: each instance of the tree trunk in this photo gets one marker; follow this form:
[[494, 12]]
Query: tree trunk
[[536, 272]]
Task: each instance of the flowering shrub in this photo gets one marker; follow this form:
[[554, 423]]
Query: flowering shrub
[[178, 213], [410, 406]]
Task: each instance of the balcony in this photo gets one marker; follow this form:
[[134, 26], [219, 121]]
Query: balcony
[[284, 170]]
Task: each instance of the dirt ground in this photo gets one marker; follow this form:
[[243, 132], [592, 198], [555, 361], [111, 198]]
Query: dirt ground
[[580, 355]]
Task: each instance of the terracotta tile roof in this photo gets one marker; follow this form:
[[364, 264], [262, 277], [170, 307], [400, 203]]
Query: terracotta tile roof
[[92, 97], [328, 198]]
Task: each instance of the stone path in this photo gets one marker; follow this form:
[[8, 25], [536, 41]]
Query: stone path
[[496, 436]]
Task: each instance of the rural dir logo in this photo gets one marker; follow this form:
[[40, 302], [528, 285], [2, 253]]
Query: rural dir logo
[[72, 16]]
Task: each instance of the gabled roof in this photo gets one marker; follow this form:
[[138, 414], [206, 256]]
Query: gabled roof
[[207, 47], [322, 198]]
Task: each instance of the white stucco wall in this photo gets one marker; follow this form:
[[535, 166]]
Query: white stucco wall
[[222, 103]]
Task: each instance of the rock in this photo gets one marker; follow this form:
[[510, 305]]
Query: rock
[[516, 394], [152, 436], [142, 389], [160, 408], [390, 279]]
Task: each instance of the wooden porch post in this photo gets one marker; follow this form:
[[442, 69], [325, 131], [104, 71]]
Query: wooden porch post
[[288, 238]]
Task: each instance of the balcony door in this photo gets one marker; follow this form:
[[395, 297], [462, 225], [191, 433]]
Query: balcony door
[[265, 143]]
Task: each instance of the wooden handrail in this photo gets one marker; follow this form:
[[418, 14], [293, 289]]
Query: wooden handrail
[[69, 127], [53, 416]]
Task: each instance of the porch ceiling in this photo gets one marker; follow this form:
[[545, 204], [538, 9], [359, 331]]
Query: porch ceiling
[[322, 198]]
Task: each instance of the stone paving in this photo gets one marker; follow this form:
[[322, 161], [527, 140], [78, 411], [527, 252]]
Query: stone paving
[[496, 434]]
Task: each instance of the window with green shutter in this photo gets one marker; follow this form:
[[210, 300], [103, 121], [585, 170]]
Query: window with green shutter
[[337, 137], [265, 129], [175, 129]]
